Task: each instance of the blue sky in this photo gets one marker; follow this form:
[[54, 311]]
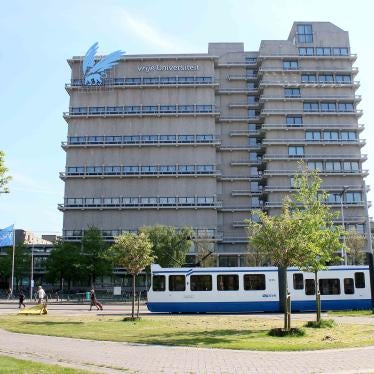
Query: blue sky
[[38, 36]]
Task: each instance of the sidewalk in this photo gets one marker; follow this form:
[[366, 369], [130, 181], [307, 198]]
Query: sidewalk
[[112, 357]]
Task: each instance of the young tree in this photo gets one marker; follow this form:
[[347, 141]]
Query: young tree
[[204, 248], [318, 238], [95, 259], [65, 263], [4, 177], [134, 253], [355, 243], [169, 245]]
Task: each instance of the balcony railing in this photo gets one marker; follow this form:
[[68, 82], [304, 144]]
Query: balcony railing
[[346, 204], [356, 98], [360, 142], [327, 126], [275, 69], [267, 112], [328, 156], [298, 83], [364, 172]]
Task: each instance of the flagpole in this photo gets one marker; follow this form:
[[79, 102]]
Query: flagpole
[[14, 250]]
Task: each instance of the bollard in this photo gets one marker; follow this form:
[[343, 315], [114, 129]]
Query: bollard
[[289, 311], [318, 306]]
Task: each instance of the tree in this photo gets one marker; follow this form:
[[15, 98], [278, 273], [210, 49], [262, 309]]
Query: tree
[[203, 249], [355, 243], [134, 253], [170, 246], [318, 238], [95, 258], [4, 177], [22, 263], [65, 263]]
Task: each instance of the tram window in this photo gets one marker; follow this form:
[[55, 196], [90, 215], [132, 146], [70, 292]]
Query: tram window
[[349, 287], [329, 286], [310, 287], [360, 280], [201, 282], [177, 283], [227, 282], [298, 281], [254, 282], [159, 283]]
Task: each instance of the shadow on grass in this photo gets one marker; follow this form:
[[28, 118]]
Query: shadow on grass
[[51, 323]]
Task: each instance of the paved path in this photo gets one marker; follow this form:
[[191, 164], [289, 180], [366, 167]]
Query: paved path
[[112, 357]]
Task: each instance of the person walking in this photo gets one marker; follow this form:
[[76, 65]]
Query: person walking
[[94, 301], [9, 294], [21, 297], [41, 294]]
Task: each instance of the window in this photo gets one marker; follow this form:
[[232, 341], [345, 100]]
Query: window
[[168, 108], [353, 197], [254, 282], [308, 78], [227, 261], [351, 166], [315, 165], [304, 33], [346, 107], [348, 135], [290, 64], [312, 135], [340, 51], [294, 120], [309, 51], [331, 136], [150, 109], [228, 282], [185, 108], [328, 107], [204, 138], [343, 79], [201, 282], [252, 99], [250, 60], [296, 151], [154, 80], [326, 78], [359, 280], [251, 113], [185, 138], [333, 198], [311, 107], [310, 287], [168, 138], [298, 281], [168, 80], [158, 283], [333, 166], [349, 287], [204, 108], [186, 169], [329, 286], [292, 92], [177, 283], [323, 51]]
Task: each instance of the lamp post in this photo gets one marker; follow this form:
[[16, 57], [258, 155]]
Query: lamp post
[[344, 253], [32, 272]]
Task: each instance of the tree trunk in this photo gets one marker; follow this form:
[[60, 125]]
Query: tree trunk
[[283, 291], [133, 296], [318, 297]]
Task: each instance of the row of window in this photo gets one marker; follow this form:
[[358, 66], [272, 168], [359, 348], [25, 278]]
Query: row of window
[[296, 92], [349, 198], [141, 139], [138, 201], [315, 106], [326, 78], [323, 51], [143, 169], [148, 81], [334, 166], [204, 282], [141, 109], [329, 286], [250, 60], [331, 135]]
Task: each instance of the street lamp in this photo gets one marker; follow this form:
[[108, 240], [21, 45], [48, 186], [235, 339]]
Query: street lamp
[[344, 253]]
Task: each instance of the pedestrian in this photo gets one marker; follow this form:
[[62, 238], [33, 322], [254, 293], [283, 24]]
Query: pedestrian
[[94, 301], [21, 300], [9, 293], [41, 294]]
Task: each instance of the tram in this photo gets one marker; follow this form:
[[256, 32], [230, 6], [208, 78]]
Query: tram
[[255, 289]]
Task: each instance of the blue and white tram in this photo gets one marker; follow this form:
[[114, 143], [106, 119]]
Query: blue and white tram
[[255, 289]]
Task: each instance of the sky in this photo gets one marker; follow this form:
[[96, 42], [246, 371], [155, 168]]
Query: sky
[[38, 36]]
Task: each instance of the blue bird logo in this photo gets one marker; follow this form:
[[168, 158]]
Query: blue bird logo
[[94, 73]]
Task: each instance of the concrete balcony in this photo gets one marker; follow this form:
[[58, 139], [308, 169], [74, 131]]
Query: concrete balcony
[[257, 192], [269, 112], [313, 126], [350, 57], [258, 132], [360, 142], [315, 157], [270, 204], [276, 69], [363, 173], [298, 83], [233, 91], [337, 98], [231, 148], [239, 119]]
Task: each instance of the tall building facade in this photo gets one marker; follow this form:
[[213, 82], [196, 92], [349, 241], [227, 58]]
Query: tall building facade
[[203, 139]]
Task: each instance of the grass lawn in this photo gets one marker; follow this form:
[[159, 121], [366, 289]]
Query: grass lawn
[[12, 365], [354, 313], [232, 332]]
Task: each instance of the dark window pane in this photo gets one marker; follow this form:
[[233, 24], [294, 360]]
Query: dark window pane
[[227, 282], [310, 287], [254, 282], [177, 283], [201, 283], [349, 287], [158, 283], [360, 280], [298, 281], [329, 286]]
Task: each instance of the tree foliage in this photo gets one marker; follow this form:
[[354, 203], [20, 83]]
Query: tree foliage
[[203, 248], [134, 253], [170, 246], [4, 177], [95, 255], [355, 243]]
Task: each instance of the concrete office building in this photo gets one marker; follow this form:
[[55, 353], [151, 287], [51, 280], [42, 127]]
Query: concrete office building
[[202, 139]]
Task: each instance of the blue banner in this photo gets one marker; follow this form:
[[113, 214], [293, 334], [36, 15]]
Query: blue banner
[[6, 236]]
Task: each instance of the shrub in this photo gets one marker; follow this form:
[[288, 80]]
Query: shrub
[[322, 324]]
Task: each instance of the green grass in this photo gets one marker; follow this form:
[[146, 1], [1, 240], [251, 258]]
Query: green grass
[[354, 313], [13, 365], [231, 332], [322, 324]]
